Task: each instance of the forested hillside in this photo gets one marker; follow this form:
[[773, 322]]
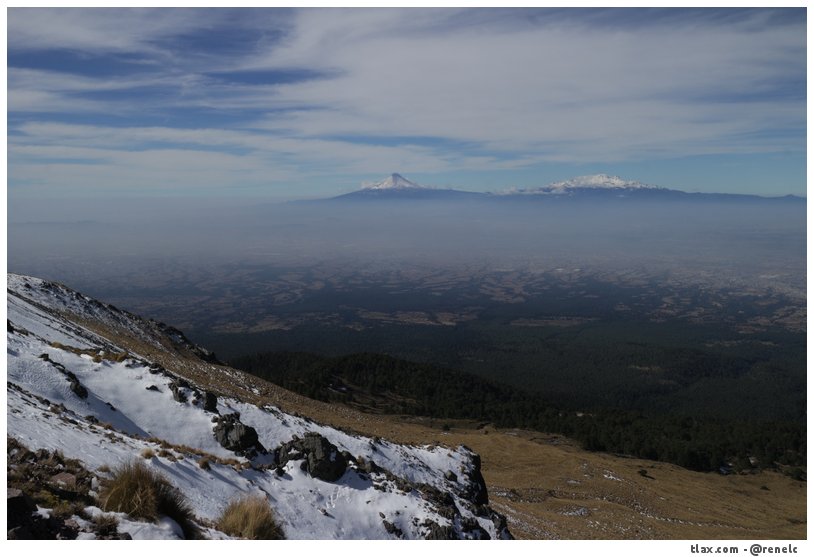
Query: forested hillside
[[380, 383]]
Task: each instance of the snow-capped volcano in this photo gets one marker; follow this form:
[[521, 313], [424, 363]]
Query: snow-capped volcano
[[603, 181], [591, 182], [397, 188], [393, 182]]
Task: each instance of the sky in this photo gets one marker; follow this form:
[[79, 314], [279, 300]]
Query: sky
[[301, 103]]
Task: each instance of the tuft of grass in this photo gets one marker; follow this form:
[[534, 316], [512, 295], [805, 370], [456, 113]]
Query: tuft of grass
[[250, 518], [205, 463], [145, 494], [106, 524], [147, 453]]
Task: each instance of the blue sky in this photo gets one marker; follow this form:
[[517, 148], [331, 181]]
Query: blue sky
[[284, 103]]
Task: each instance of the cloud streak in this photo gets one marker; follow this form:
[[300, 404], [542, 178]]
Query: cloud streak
[[300, 93]]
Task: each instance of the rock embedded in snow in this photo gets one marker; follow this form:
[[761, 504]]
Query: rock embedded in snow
[[323, 459], [210, 402], [234, 435]]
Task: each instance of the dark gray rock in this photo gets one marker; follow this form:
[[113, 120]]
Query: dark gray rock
[[177, 394], [392, 529], [451, 476], [322, 458], [474, 530], [234, 435], [437, 532], [76, 387], [210, 402], [18, 505], [476, 489], [501, 527]]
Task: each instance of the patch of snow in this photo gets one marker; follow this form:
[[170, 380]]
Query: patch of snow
[[393, 182]]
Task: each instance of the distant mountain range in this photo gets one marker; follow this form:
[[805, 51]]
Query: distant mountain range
[[585, 188]]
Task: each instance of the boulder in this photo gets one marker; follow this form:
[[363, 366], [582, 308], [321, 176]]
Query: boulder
[[392, 529], [77, 387], [234, 435], [65, 479], [323, 459], [19, 506], [177, 394], [210, 402], [437, 532]]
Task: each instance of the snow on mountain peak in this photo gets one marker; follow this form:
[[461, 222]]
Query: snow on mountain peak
[[393, 182], [591, 182], [603, 181]]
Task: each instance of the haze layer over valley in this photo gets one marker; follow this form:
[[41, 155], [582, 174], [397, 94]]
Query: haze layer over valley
[[133, 251]]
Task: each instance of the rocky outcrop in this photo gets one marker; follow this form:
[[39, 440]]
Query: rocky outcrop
[[236, 436], [475, 490], [435, 531], [323, 459], [178, 388]]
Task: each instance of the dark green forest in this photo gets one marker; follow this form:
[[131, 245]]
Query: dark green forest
[[676, 434]]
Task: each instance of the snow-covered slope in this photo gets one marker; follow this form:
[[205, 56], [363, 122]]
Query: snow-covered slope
[[76, 391]]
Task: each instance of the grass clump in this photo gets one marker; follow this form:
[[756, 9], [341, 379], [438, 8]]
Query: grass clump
[[106, 525], [250, 518], [144, 494], [147, 453]]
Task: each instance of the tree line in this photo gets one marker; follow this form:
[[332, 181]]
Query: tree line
[[380, 383]]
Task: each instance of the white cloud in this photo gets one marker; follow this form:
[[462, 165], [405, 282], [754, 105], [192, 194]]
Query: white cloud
[[95, 30], [490, 90], [673, 89], [80, 155]]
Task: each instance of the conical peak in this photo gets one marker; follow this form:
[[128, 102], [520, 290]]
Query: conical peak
[[394, 181]]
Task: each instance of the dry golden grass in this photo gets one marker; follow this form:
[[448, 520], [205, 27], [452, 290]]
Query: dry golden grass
[[250, 518], [144, 494], [95, 354]]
